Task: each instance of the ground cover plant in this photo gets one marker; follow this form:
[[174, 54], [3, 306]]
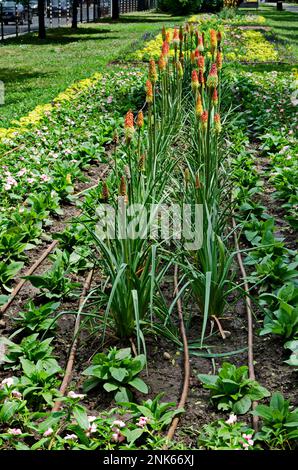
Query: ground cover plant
[[189, 123]]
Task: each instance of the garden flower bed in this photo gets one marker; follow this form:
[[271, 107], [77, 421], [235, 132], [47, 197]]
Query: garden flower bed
[[93, 350]]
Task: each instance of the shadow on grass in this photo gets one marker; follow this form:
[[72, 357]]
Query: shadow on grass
[[144, 19], [274, 67], [15, 75], [63, 36]]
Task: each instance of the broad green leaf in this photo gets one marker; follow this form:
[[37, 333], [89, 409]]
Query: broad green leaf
[[139, 384]]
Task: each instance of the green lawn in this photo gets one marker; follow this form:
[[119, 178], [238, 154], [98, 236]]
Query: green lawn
[[34, 72], [285, 25]]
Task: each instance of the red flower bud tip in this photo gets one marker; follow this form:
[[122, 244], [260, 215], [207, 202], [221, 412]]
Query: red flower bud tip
[[201, 63], [163, 33], [181, 33], [197, 183], [219, 60], [199, 106], [194, 80], [129, 126], [165, 48], [201, 77], [204, 119], [152, 71], [149, 92], [215, 97], [140, 119], [219, 37], [212, 80], [217, 123]]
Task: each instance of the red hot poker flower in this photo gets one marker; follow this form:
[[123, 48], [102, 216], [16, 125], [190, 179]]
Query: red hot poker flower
[[201, 63], [217, 123], [140, 119], [194, 80], [204, 119], [212, 80], [149, 92], [165, 48], [219, 60], [152, 71], [129, 126]]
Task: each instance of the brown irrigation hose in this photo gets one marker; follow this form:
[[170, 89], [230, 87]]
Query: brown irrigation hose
[[184, 393], [249, 319], [71, 357], [33, 268]]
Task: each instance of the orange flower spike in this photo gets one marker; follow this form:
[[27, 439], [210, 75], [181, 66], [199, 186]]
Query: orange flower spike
[[219, 60], [152, 71], [129, 126], [194, 81], [212, 79], [168, 37], [192, 57], [176, 39], [199, 106], [197, 53], [214, 97], [165, 48], [213, 40], [162, 63], [163, 33], [140, 120], [149, 92], [217, 123], [204, 119], [201, 63]]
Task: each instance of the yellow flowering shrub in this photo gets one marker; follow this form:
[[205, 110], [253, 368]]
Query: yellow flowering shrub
[[35, 116], [152, 48], [250, 46]]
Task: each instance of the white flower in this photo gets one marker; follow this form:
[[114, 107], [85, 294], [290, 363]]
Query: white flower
[[8, 382], [142, 421], [70, 437], [75, 395], [232, 419], [92, 418], [16, 394]]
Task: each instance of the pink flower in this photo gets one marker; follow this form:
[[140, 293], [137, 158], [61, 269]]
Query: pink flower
[[16, 394], [44, 177], [14, 431], [249, 440], [142, 421], [48, 432], [117, 436], [232, 419], [109, 99], [30, 180], [119, 424]]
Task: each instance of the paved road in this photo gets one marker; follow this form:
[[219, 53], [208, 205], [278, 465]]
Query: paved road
[[11, 29]]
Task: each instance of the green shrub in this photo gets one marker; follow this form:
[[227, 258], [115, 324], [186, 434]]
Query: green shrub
[[181, 7]]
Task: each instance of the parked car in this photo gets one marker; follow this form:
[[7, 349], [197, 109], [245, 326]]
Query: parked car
[[12, 12]]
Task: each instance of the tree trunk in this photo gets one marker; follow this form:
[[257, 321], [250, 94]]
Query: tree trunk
[[41, 20], [115, 10], [74, 21]]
